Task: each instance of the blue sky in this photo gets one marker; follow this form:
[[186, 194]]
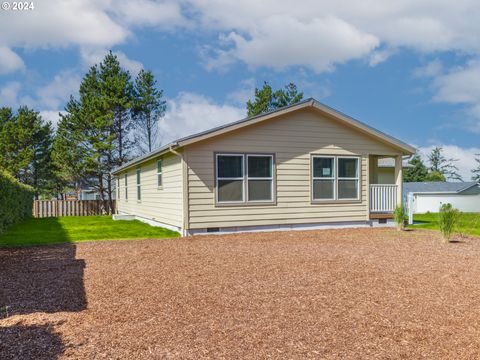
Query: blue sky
[[409, 68]]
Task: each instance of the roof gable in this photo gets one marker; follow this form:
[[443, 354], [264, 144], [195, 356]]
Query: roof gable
[[308, 103]]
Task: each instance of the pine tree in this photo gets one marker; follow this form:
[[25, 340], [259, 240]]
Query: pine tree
[[25, 148], [476, 171], [268, 100], [95, 134], [417, 173], [440, 164], [147, 111]]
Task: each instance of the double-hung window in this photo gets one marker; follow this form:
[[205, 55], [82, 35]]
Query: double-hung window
[[230, 178], [244, 178], [126, 186], [260, 177], [335, 178], [139, 190], [159, 174]]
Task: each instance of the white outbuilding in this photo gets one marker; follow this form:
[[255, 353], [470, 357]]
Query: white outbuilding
[[422, 197]]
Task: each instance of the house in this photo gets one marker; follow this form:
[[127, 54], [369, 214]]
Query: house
[[422, 197], [302, 166]]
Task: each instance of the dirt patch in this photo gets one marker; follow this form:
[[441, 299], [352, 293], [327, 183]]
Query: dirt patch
[[332, 294]]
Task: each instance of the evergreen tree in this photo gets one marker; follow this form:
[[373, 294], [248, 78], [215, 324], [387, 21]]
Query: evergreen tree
[[25, 148], [476, 171], [94, 136], [148, 109], [267, 100], [440, 164], [435, 176], [417, 173]]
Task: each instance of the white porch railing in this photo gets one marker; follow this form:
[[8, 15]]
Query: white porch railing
[[383, 198]]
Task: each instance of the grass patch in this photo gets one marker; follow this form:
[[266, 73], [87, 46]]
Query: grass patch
[[78, 228], [468, 223]]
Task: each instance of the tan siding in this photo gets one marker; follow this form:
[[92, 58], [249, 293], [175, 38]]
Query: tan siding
[[292, 138], [163, 204]]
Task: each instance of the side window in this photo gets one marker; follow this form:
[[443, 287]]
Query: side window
[[126, 185], [260, 177], [159, 173], [323, 183], [139, 190], [230, 178], [348, 178]]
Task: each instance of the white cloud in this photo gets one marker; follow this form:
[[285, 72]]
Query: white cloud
[[466, 157], [9, 94], [433, 68], [190, 113], [359, 29], [283, 41], [164, 14], [9, 61], [51, 116], [243, 93], [54, 94]]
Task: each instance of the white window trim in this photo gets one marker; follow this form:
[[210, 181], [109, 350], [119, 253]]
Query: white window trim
[[357, 178], [125, 179], [335, 178], [324, 178], [271, 179], [160, 173], [138, 175], [217, 179]]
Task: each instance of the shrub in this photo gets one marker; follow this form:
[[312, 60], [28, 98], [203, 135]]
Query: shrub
[[400, 215], [16, 200], [447, 220]]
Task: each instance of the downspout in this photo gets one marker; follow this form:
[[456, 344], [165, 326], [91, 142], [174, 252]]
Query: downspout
[[185, 212]]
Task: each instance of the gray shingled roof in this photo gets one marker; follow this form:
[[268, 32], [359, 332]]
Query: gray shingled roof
[[437, 187]]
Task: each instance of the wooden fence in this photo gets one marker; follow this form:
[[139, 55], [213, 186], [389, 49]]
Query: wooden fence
[[53, 208]]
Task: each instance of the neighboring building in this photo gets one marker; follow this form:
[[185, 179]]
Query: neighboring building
[[302, 166], [424, 197], [92, 194]]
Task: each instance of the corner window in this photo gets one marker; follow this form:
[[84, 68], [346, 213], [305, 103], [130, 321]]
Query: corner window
[[139, 190], [335, 178], [126, 186], [244, 178], [159, 173]]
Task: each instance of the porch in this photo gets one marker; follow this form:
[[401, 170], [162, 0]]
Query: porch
[[385, 185]]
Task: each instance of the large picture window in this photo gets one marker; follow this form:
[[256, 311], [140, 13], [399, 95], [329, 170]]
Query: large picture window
[[244, 178], [335, 178]]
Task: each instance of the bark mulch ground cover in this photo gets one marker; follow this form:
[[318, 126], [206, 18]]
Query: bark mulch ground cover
[[331, 294]]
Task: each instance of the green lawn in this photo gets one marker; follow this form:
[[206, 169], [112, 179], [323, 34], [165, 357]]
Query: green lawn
[[469, 223], [78, 228]]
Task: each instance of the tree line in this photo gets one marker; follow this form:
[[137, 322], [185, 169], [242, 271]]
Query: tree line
[[115, 118]]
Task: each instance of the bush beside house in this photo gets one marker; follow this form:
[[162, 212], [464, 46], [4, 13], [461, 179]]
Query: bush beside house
[[16, 200]]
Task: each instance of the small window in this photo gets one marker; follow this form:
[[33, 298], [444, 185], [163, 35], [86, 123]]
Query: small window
[[230, 178], [139, 191], [323, 178], [126, 186], [159, 174], [260, 177]]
